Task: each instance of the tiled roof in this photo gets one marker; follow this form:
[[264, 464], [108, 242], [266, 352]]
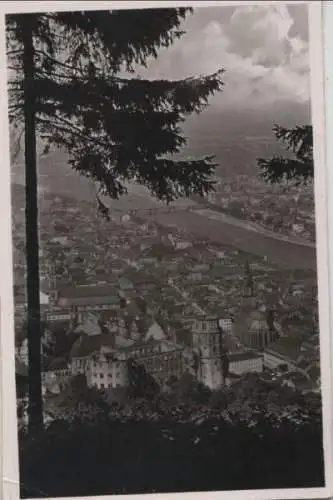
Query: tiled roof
[[84, 291], [243, 356], [289, 347], [90, 301], [125, 284], [90, 326], [58, 364], [232, 344], [86, 344]]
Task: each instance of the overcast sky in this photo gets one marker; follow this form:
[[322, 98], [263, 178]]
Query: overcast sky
[[264, 50]]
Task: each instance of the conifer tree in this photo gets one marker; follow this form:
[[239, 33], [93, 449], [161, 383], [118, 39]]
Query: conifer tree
[[73, 85], [297, 166]]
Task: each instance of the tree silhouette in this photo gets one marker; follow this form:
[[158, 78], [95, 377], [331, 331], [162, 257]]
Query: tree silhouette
[[65, 89], [299, 166]]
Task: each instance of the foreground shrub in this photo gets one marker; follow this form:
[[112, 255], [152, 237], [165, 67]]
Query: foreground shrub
[[114, 454]]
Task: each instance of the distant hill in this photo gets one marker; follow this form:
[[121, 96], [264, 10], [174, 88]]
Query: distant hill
[[238, 137]]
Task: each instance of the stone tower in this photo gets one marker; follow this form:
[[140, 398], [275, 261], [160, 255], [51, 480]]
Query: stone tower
[[208, 345]]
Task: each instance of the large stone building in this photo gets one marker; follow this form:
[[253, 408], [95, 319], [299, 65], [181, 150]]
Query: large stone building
[[245, 362], [104, 357], [84, 299], [107, 370], [208, 345], [162, 358]]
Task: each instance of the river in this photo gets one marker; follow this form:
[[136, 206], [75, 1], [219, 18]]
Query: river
[[285, 252]]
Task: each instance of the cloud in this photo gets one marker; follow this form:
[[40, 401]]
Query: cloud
[[260, 32], [265, 58]]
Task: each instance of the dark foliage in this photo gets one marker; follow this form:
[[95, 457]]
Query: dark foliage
[[142, 384], [299, 166], [146, 456], [187, 390]]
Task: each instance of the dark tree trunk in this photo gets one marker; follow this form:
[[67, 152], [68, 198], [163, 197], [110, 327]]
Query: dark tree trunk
[[35, 411]]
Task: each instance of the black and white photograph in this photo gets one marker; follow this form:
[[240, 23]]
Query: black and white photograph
[[166, 328]]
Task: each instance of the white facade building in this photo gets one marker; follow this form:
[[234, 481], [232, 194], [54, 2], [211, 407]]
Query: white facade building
[[245, 362], [105, 371]]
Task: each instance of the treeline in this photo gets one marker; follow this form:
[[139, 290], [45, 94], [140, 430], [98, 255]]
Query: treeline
[[249, 436], [110, 455]]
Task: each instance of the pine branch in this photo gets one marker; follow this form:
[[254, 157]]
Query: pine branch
[[299, 141], [278, 168]]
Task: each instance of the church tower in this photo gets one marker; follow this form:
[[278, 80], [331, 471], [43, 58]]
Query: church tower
[[248, 284], [135, 333]]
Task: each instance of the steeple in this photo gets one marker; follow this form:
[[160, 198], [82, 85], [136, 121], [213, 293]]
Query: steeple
[[135, 334], [248, 286], [270, 316]]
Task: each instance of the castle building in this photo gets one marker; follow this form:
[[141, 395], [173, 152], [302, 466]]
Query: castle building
[[226, 325], [55, 378], [207, 343], [105, 370], [160, 358], [105, 358]]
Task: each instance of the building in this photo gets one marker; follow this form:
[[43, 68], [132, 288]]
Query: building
[[20, 309], [105, 358], [207, 344], [245, 362], [84, 347], [90, 325], [107, 370], [255, 330], [248, 283], [183, 245], [59, 315], [55, 378], [155, 332], [21, 348], [126, 289], [161, 358], [226, 325], [84, 299]]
